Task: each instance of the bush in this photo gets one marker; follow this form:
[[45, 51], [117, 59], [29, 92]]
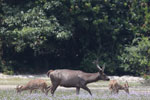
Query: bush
[[147, 80], [87, 64], [6, 68], [135, 58]]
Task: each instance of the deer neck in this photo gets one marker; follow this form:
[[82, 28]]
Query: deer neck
[[92, 77], [121, 87]]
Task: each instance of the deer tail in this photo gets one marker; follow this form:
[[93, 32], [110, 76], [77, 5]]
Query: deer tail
[[49, 72]]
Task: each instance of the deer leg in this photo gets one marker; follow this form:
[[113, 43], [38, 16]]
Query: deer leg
[[117, 91], [87, 89], [54, 87], [77, 90], [31, 91], [111, 91], [47, 90], [42, 89], [35, 91]]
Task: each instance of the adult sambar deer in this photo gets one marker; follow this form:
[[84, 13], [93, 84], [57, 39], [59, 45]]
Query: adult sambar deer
[[74, 78]]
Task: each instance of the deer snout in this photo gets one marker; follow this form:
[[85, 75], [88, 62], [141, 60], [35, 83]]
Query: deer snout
[[107, 79]]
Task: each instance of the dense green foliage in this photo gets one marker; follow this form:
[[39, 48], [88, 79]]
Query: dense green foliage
[[37, 35], [137, 57]]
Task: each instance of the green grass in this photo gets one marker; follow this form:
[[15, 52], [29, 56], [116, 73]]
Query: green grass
[[67, 94], [137, 92]]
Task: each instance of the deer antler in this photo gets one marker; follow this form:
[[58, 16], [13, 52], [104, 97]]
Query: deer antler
[[103, 66], [96, 62], [99, 67]]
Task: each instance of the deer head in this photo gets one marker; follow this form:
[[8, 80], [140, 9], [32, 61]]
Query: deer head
[[102, 76], [126, 87], [19, 88]]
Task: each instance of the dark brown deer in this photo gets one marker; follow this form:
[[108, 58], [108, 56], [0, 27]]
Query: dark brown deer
[[74, 78]]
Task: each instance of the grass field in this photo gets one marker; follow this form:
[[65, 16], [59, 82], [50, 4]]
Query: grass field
[[19, 81], [64, 94], [99, 90]]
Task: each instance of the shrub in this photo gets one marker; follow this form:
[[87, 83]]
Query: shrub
[[135, 58]]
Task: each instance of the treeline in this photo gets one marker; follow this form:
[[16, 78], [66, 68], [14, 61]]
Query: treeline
[[38, 35]]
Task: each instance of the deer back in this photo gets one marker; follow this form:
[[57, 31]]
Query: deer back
[[113, 84], [36, 83]]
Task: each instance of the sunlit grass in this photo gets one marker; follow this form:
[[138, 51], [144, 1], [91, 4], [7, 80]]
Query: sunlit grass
[[16, 81], [137, 92], [21, 81]]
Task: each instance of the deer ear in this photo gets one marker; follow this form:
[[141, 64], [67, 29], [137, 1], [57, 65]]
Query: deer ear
[[127, 84], [17, 87], [20, 87]]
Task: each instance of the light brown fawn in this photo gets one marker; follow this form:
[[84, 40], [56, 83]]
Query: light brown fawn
[[33, 85], [114, 87]]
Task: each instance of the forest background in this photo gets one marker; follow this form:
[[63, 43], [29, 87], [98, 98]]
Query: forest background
[[38, 35]]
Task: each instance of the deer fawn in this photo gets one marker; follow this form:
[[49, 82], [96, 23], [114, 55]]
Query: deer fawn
[[114, 87], [33, 85]]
